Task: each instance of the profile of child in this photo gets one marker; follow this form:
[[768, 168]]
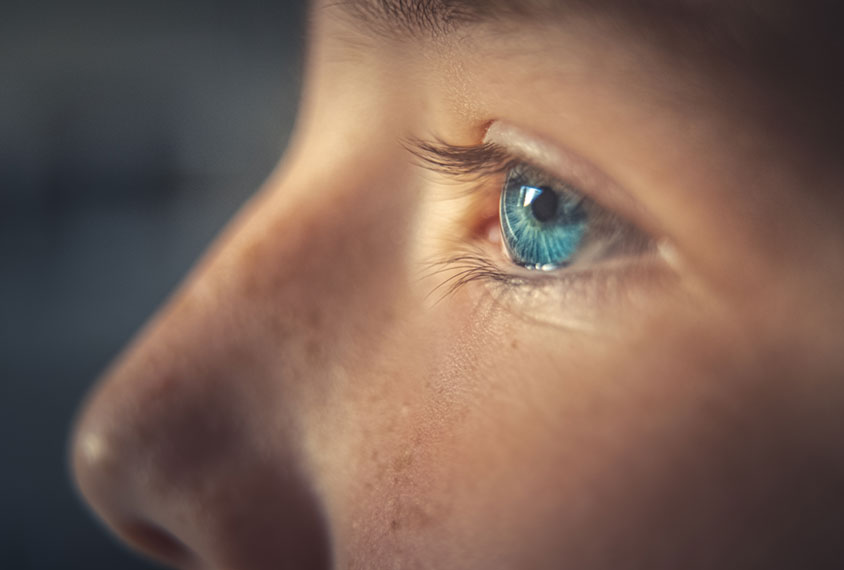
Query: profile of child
[[539, 284]]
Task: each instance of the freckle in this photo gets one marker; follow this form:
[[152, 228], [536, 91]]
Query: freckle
[[315, 318], [251, 253], [312, 349], [403, 461], [417, 516]]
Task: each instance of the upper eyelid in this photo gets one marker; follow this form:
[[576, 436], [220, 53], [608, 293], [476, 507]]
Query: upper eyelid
[[471, 164], [476, 162], [497, 155], [588, 178]]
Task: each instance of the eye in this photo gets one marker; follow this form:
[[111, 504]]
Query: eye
[[557, 234], [547, 224], [542, 226]]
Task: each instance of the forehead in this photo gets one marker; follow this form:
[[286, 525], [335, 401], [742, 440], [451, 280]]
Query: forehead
[[790, 51], [424, 15], [737, 26]]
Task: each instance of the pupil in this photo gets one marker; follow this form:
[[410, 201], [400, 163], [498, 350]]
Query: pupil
[[544, 206]]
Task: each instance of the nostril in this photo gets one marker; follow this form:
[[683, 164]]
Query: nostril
[[157, 542]]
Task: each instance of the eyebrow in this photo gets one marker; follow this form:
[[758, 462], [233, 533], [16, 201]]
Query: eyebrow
[[777, 41], [762, 33], [730, 30], [433, 18]]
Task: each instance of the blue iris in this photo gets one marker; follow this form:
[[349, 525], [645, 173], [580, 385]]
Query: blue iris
[[543, 227]]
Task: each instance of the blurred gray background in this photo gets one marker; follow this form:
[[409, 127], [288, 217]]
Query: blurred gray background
[[129, 133]]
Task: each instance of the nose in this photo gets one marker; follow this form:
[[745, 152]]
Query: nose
[[188, 447]]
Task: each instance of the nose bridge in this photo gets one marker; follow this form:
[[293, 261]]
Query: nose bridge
[[188, 448]]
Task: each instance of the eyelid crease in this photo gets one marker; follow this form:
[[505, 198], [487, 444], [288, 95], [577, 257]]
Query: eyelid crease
[[506, 147], [493, 158]]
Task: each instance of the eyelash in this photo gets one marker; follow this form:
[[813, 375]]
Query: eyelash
[[464, 163]]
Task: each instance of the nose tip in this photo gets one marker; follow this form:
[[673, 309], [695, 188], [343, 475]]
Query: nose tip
[[104, 484], [182, 461], [194, 490], [108, 471]]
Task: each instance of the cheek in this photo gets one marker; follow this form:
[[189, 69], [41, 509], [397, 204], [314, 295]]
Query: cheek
[[476, 437], [454, 430]]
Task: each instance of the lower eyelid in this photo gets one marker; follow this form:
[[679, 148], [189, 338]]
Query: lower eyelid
[[575, 298], [589, 299]]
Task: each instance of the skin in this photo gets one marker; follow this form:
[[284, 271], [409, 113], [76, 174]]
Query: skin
[[305, 401]]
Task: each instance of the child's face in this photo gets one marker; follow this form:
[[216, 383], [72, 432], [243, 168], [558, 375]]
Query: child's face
[[363, 374]]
